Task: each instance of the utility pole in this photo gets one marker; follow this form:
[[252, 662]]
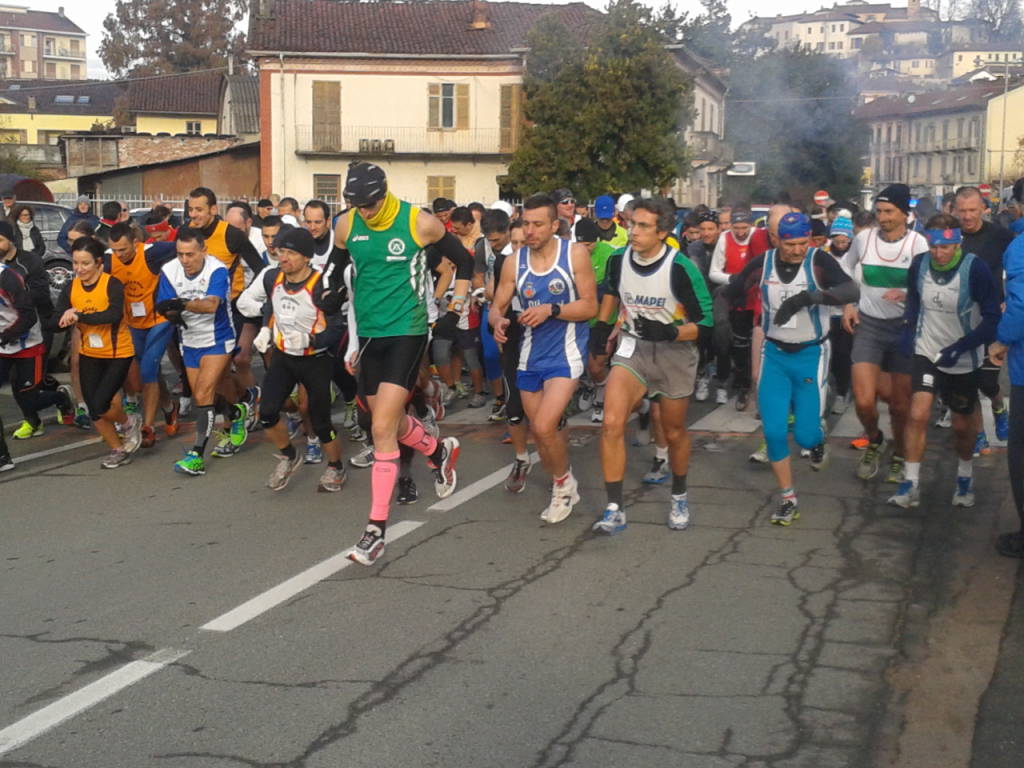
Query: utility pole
[[1002, 137]]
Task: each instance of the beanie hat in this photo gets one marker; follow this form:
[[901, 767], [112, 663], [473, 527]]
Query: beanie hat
[[296, 239], [896, 194], [842, 226]]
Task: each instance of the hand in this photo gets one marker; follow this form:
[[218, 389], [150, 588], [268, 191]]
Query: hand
[[652, 330], [599, 334], [171, 305], [851, 318], [949, 356], [352, 363], [69, 318], [501, 330], [445, 327], [534, 316], [895, 295], [791, 306], [262, 340], [295, 340], [997, 352], [175, 317]]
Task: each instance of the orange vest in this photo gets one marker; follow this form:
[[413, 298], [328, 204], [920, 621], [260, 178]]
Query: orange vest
[[111, 340], [217, 246], [139, 289]]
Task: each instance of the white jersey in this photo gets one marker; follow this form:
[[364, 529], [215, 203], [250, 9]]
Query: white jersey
[[9, 316], [204, 329], [294, 311], [947, 314], [320, 257], [807, 326], [879, 266], [649, 295]]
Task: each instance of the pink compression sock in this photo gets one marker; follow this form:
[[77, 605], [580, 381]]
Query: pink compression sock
[[416, 437], [382, 480]]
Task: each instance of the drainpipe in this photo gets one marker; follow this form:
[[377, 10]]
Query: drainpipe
[[284, 134]]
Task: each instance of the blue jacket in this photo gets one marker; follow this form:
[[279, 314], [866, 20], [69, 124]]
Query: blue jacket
[[74, 218], [1011, 326]]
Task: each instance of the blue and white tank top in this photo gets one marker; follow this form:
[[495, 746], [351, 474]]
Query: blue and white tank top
[[204, 330], [810, 324]]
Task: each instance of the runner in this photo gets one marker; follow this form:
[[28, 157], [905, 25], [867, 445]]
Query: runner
[[194, 293], [386, 238], [554, 281], [94, 302], [666, 308], [952, 312], [300, 333], [797, 283], [879, 260]]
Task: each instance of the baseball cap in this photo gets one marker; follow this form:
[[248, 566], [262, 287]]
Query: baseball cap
[[623, 201], [505, 206], [604, 207], [586, 231], [562, 194]]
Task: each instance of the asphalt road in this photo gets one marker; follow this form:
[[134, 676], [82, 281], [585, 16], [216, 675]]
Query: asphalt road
[[149, 619]]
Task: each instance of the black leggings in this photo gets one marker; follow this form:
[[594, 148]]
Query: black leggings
[[314, 373], [26, 376], [1015, 449], [101, 378], [514, 412], [732, 353], [842, 346]]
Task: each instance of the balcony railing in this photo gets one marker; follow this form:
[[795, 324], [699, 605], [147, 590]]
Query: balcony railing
[[62, 53], [707, 145], [381, 141]]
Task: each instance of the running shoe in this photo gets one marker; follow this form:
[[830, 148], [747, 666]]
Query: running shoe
[[597, 415], [66, 405], [314, 453], [506, 439], [498, 410], [760, 456], [897, 470], [357, 434], [461, 390], [786, 514], [148, 436], [563, 497], [131, 406], [332, 480], [192, 464], [239, 432], [703, 389], [133, 432], [742, 398], [859, 443], [407, 492], [441, 400], [184, 407], [981, 446], [116, 458], [805, 453], [840, 404], [1010, 544], [349, 417], [516, 480], [964, 494], [868, 465], [6, 462], [363, 459], [82, 419], [224, 449], [1002, 420], [283, 471], [585, 399], [722, 396], [907, 495], [429, 422], [294, 425], [171, 424], [612, 520], [370, 546], [945, 420], [477, 400], [819, 456], [26, 430], [679, 513], [252, 420], [445, 477], [658, 473]]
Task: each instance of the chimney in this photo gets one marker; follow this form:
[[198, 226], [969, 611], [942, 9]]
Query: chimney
[[60, 11], [913, 8], [480, 20]]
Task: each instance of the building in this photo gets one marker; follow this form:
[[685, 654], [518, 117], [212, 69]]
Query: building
[[180, 103], [711, 154], [1004, 145], [240, 107], [962, 59], [40, 44]]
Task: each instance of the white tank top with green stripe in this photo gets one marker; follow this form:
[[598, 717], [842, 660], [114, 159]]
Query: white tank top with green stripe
[[878, 265]]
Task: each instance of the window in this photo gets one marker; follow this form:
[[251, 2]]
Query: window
[[839, 45], [62, 98], [49, 137], [440, 186], [821, 47], [810, 30], [51, 70], [915, 64], [75, 43], [899, 136], [928, 169], [959, 58], [327, 186], [842, 27], [76, 72], [83, 99], [448, 106], [972, 164], [703, 112], [510, 116], [831, 46], [326, 116], [856, 42], [787, 34], [27, 40], [28, 67], [193, 127]]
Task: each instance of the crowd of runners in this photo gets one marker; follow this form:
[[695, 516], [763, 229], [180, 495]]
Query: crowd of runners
[[624, 308]]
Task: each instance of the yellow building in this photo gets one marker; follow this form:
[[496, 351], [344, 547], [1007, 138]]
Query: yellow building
[[967, 57], [177, 104], [35, 112], [40, 44], [1004, 146]]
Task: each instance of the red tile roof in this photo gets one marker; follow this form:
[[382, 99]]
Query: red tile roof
[[418, 28], [48, 21], [951, 100], [194, 93]]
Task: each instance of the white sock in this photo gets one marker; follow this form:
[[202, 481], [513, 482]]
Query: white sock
[[522, 457], [645, 407], [912, 471], [661, 454], [313, 440], [965, 468]]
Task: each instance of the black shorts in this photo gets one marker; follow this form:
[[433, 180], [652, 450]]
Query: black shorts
[[391, 360], [959, 391], [101, 379]]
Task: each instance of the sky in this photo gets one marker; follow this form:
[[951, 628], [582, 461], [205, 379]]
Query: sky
[[89, 16]]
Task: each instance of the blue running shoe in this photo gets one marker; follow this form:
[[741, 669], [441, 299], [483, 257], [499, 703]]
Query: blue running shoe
[[679, 513], [964, 495], [612, 521], [981, 446], [1002, 419]]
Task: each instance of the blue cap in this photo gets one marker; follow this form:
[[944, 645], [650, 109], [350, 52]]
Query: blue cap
[[841, 226], [794, 225], [604, 207]]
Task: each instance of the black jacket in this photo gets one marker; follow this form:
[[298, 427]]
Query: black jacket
[[30, 267], [38, 245]]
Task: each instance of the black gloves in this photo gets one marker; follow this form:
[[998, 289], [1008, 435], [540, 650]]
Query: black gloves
[[652, 330], [170, 305], [791, 306], [950, 355], [445, 327], [599, 335]]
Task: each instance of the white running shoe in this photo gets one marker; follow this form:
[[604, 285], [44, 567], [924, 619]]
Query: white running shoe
[[563, 497], [722, 396]]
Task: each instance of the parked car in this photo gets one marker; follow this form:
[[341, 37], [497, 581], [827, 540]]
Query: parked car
[[50, 218]]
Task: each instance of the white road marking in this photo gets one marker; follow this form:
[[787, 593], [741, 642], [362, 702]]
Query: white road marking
[[300, 582], [473, 490], [52, 715], [58, 449]]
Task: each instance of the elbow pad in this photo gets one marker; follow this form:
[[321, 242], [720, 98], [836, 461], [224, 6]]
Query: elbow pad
[[450, 247]]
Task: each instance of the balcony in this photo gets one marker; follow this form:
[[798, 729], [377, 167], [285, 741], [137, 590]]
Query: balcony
[[709, 147], [378, 141], [54, 52], [6, 49]]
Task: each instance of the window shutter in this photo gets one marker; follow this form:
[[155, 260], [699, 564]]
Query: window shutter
[[462, 107], [511, 116], [434, 106], [326, 116]]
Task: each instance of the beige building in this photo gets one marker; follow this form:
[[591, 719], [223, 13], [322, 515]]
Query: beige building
[[959, 60], [1004, 148], [40, 45], [711, 155]]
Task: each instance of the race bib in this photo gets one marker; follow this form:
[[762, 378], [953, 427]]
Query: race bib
[[95, 341], [627, 345], [138, 309]]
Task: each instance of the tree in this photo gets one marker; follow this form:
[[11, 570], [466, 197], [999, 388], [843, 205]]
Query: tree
[[709, 35], [152, 37], [792, 114], [1003, 15], [604, 116]]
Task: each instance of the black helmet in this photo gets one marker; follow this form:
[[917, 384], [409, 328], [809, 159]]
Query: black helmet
[[365, 185]]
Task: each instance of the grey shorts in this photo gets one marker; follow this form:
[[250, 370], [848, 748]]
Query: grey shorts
[[667, 369], [877, 342]]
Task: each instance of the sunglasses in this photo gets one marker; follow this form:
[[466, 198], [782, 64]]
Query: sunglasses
[[567, 200]]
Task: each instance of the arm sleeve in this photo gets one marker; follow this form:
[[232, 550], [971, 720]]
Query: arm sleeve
[[913, 307], [38, 282], [240, 245], [984, 291], [335, 294], [716, 272], [852, 257], [838, 288], [22, 303], [691, 291], [613, 272], [329, 337], [251, 300], [450, 247], [114, 311], [353, 328], [739, 285], [158, 254]]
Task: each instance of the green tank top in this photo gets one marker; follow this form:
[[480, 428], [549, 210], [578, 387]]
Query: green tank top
[[390, 277]]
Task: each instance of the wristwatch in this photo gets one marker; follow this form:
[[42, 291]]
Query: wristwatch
[[556, 310]]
